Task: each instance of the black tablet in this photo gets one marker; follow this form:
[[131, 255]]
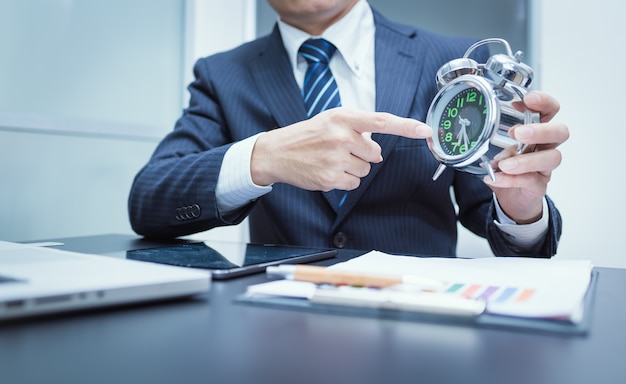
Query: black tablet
[[230, 259]]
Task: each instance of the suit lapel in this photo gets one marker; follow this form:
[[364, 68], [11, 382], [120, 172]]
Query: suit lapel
[[398, 61], [272, 73]]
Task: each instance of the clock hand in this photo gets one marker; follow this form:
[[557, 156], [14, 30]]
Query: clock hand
[[459, 135], [463, 132]]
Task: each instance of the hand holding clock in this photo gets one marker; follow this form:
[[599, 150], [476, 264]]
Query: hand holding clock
[[522, 180]]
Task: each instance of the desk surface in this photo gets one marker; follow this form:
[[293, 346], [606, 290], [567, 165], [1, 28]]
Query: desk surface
[[211, 339]]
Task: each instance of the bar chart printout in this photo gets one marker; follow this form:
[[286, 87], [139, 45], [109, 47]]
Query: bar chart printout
[[511, 286]]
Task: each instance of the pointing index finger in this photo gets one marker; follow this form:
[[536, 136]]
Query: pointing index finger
[[382, 122]]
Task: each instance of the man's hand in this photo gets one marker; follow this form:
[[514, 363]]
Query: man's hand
[[332, 150], [522, 180]]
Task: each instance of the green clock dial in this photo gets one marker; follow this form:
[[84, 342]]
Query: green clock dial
[[462, 121]]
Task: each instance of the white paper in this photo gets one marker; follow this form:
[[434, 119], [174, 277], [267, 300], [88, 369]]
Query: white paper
[[286, 288], [542, 288]]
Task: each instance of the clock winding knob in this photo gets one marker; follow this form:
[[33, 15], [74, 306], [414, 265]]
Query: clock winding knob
[[504, 68], [455, 68]]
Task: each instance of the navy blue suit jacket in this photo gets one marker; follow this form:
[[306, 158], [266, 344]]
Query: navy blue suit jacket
[[397, 208]]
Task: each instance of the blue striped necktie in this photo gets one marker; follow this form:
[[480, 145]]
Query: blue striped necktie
[[319, 90]]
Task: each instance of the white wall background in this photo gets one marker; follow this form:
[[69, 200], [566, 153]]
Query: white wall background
[[579, 48], [582, 51], [66, 170], [62, 184]]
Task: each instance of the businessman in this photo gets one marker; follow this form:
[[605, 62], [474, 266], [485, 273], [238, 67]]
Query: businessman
[[315, 133]]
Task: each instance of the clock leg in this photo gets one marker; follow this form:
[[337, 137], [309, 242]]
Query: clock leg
[[439, 171], [486, 163]]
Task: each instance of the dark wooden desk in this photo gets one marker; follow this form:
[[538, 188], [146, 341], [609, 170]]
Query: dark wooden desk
[[213, 340]]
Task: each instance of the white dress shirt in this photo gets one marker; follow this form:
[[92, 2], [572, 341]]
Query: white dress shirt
[[352, 66]]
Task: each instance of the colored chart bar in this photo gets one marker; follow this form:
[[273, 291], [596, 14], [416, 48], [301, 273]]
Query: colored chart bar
[[469, 292], [525, 295], [454, 288], [488, 292], [506, 294]]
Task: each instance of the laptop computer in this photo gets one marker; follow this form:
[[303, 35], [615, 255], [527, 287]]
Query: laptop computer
[[41, 280]]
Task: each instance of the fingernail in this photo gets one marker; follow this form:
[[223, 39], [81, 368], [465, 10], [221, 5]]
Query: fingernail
[[523, 132], [424, 130], [501, 156], [532, 98], [508, 164]]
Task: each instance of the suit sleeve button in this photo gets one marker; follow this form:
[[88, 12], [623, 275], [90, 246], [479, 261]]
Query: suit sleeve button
[[195, 210]]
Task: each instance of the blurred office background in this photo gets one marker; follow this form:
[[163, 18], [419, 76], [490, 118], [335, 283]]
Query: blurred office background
[[88, 88]]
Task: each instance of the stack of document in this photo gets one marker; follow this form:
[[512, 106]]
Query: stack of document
[[511, 286]]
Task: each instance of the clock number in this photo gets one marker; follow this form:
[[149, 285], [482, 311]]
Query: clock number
[[463, 148], [480, 102], [471, 97], [460, 103], [448, 137], [447, 124], [453, 112]]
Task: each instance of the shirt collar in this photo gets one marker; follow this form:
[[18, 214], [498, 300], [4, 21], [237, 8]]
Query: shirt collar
[[352, 45]]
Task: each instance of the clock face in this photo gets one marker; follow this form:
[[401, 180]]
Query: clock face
[[462, 120]]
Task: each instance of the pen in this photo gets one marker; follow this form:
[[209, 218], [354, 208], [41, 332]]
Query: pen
[[322, 275]]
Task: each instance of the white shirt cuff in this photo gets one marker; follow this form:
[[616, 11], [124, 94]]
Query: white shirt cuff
[[523, 235], [234, 187]]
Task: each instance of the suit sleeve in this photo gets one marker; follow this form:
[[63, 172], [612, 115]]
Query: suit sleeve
[[174, 193], [502, 246]]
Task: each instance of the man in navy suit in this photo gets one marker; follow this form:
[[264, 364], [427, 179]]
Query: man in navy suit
[[357, 176]]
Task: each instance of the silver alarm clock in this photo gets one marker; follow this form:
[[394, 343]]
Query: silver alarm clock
[[475, 107]]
